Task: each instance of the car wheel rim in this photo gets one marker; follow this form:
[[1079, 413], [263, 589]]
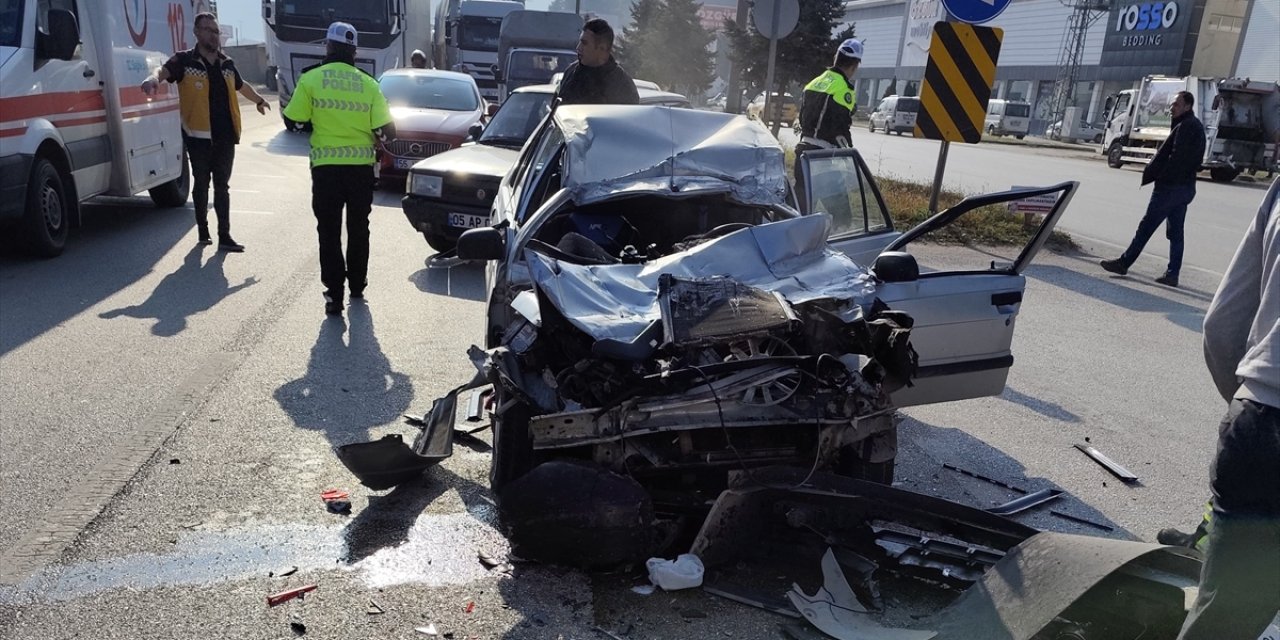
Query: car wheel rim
[[51, 206], [777, 388]]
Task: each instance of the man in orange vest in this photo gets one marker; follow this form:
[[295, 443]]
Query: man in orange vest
[[207, 83]]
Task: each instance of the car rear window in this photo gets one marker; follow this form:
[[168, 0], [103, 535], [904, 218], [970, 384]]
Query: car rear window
[[1017, 110], [911, 105], [429, 92]]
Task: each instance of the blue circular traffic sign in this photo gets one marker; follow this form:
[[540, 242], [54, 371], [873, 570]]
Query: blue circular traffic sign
[[975, 11]]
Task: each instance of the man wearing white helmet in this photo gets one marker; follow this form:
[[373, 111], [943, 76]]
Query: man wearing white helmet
[[826, 112]]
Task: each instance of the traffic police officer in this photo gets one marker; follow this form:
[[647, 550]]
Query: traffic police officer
[[347, 111], [826, 112]]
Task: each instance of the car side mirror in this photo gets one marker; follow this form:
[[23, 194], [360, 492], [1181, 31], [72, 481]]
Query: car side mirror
[[485, 243], [474, 132], [896, 266], [497, 74], [491, 110], [62, 38]]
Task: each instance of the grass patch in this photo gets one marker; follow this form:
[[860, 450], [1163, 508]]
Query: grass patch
[[908, 204]]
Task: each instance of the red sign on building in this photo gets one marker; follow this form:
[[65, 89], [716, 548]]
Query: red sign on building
[[713, 17]]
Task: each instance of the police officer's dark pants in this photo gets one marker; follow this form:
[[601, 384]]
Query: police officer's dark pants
[[795, 170], [1240, 582], [211, 160], [334, 187], [1168, 206]]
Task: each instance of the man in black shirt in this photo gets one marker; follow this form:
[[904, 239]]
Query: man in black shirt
[[596, 78], [1174, 170], [207, 81]]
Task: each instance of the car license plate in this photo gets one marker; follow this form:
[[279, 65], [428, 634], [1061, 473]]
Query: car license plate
[[467, 221], [405, 163]]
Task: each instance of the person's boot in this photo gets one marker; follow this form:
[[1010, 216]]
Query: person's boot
[[1168, 280], [1175, 538], [1116, 266], [225, 243], [333, 303], [203, 237]]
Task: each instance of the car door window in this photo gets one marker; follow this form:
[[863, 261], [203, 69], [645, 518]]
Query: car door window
[[840, 186], [544, 154]]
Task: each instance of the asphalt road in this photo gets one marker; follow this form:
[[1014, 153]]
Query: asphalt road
[[167, 414], [1104, 212]]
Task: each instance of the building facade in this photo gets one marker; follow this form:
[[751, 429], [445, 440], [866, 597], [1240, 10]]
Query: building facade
[[1210, 38]]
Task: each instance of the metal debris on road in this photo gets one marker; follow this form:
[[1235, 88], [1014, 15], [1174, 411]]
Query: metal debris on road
[[374, 608], [1096, 525], [836, 611], [1110, 465], [285, 596], [611, 634], [979, 476], [429, 630], [281, 573], [1026, 502]]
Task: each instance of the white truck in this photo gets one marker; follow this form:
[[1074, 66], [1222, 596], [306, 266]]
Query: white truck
[[389, 30], [533, 46], [74, 122], [1241, 120], [466, 39]]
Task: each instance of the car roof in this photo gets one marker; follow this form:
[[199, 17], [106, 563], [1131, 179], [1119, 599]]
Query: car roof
[[618, 149], [433, 73]]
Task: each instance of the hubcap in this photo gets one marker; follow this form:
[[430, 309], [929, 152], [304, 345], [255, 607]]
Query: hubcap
[[51, 206]]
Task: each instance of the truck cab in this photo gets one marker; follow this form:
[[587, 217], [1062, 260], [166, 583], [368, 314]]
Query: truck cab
[[74, 122], [533, 46], [467, 37]]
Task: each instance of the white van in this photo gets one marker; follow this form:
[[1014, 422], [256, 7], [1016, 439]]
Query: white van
[[895, 114], [1008, 118], [74, 122]]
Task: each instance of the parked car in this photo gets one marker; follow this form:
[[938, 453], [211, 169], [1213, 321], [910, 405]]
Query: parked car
[[433, 112], [660, 314], [790, 109], [896, 114], [451, 192], [1008, 118], [1085, 131]]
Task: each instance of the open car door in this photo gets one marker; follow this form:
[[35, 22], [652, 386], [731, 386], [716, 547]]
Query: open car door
[[837, 182], [964, 310]]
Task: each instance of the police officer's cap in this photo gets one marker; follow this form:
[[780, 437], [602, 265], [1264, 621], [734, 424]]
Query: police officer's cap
[[852, 48], [346, 34]]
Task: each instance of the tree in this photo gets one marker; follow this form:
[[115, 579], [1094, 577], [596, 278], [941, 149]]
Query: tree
[[802, 55], [667, 44]]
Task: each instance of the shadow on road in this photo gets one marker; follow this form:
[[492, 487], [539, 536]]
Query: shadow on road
[[286, 143], [463, 280], [924, 448], [1127, 293], [349, 386], [1043, 407], [119, 242], [388, 520], [193, 288]]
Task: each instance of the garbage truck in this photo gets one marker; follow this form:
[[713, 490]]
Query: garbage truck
[[533, 46], [1241, 119]]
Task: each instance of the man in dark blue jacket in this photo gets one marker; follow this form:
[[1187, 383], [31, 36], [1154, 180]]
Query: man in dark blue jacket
[[1174, 170]]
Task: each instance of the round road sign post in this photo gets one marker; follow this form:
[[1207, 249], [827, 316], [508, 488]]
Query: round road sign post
[[774, 19], [975, 11]]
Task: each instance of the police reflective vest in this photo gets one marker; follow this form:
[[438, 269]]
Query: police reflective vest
[[344, 106], [826, 112]]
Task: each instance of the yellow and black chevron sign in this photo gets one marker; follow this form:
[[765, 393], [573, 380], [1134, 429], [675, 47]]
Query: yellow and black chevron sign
[[957, 81]]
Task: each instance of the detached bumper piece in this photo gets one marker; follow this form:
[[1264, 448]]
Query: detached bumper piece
[[382, 464]]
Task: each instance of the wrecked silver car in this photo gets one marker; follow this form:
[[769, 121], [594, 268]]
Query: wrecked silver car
[[661, 314]]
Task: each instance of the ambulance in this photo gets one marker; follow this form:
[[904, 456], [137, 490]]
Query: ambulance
[[74, 122]]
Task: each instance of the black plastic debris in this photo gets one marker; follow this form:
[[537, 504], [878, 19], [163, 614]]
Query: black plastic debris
[[1028, 501]]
